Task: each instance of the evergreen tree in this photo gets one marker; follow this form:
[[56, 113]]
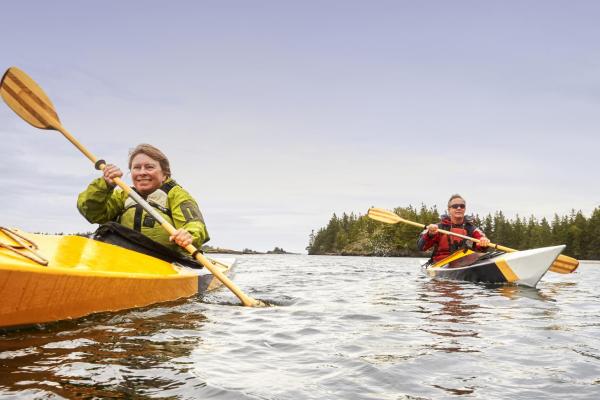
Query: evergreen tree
[[592, 251]]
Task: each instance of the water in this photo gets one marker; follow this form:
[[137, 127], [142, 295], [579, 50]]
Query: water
[[341, 328]]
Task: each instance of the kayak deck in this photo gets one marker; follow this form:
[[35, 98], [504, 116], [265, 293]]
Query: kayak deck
[[85, 276]]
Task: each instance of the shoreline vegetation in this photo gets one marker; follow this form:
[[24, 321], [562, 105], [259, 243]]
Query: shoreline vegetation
[[358, 235], [220, 250]]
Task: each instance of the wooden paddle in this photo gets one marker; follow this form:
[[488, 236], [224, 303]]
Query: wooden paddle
[[562, 265], [29, 101]]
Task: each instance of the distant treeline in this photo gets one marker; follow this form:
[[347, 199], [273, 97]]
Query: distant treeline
[[360, 235]]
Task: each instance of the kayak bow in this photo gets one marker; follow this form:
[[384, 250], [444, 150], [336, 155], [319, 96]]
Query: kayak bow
[[85, 276]]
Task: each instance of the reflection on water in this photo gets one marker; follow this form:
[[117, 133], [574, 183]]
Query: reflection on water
[[340, 328], [455, 306], [514, 292], [106, 355], [450, 317]]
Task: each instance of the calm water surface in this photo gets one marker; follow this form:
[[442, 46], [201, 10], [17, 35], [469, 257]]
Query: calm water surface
[[340, 328]]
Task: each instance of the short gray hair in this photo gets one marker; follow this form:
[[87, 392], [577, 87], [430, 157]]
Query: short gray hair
[[456, 196]]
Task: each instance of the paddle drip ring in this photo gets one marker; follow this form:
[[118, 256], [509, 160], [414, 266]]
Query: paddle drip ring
[[23, 243]]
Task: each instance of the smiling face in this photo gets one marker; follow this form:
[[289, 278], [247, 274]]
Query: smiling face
[[456, 210], [146, 173]]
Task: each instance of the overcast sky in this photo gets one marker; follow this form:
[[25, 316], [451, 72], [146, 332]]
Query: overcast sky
[[276, 114]]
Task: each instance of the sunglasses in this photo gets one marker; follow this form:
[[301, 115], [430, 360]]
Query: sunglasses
[[455, 206]]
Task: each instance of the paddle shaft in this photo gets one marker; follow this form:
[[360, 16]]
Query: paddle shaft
[[472, 239], [246, 300]]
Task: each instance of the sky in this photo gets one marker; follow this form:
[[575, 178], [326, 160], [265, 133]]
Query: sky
[[277, 114]]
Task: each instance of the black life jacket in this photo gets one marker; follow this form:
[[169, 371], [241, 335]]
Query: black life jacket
[[157, 199]]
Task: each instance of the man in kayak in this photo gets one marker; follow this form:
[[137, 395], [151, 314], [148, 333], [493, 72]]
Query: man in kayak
[[151, 175], [454, 221]]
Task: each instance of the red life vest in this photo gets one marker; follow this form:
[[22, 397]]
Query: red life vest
[[449, 244]]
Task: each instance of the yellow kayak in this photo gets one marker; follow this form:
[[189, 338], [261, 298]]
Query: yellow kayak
[[46, 278]]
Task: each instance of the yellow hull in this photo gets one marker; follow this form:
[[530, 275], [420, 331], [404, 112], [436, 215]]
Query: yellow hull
[[84, 276]]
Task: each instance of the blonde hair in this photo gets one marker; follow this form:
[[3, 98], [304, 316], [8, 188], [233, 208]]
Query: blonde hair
[[154, 154]]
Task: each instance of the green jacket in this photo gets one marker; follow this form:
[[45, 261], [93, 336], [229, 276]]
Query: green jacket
[[100, 203]]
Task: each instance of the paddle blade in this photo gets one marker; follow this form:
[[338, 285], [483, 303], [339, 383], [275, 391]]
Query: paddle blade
[[383, 215], [27, 99], [564, 265]]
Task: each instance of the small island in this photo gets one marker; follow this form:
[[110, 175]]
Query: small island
[[221, 250], [278, 250]]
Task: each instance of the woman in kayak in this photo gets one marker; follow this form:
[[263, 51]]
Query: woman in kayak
[[151, 175], [454, 221]]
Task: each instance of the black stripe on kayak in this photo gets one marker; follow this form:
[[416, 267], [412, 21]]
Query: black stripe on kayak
[[487, 272]]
